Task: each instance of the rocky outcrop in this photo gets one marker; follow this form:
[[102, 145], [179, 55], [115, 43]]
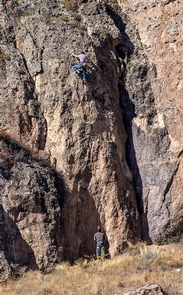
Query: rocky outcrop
[[78, 129], [32, 196], [147, 290], [115, 140], [154, 112]]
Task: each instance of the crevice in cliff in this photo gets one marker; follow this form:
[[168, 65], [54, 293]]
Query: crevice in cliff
[[128, 109], [31, 82], [41, 61], [169, 183], [126, 47], [125, 50], [34, 108]]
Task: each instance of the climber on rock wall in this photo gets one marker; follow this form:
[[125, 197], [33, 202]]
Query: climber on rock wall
[[82, 65]]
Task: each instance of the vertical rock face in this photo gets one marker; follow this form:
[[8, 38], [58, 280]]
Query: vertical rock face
[[32, 196], [116, 140], [153, 111], [77, 128]]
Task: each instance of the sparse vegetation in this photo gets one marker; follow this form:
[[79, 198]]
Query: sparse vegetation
[[129, 65], [4, 56], [168, 239], [138, 266], [104, 32], [70, 4], [20, 71], [47, 16], [72, 24], [114, 4], [24, 14], [76, 16], [81, 29], [64, 17]]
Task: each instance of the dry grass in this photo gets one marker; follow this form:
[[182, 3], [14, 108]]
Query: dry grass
[[69, 4], [4, 56], [104, 32], [72, 24], [137, 267], [64, 17]]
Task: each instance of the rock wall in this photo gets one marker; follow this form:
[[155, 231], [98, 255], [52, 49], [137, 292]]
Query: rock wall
[[116, 140], [32, 197], [154, 87], [78, 129]]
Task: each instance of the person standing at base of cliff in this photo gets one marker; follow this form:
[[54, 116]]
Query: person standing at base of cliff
[[100, 238], [82, 65]]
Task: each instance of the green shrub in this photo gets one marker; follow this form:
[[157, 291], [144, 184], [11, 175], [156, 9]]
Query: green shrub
[[25, 14], [129, 65], [148, 257], [168, 240]]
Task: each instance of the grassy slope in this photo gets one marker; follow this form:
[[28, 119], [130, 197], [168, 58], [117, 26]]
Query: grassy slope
[[137, 267]]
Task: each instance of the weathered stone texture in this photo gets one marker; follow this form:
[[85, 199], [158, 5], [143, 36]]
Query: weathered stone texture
[[154, 87], [148, 290], [32, 196], [78, 128]]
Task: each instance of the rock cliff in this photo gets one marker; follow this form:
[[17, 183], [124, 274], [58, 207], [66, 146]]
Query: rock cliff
[[111, 149], [32, 196], [156, 131]]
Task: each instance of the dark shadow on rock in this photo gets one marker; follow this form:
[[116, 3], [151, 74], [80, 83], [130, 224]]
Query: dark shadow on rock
[[19, 153], [81, 243], [107, 254], [16, 250], [128, 115], [124, 50], [80, 219], [48, 181]]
